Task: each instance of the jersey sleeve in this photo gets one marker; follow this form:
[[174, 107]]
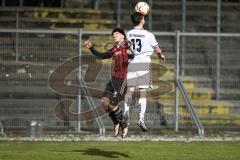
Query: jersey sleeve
[[98, 54], [152, 40], [127, 35]]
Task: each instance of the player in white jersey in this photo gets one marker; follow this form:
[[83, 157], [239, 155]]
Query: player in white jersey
[[143, 45]]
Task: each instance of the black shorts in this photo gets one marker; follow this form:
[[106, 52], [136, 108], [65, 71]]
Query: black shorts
[[115, 90]]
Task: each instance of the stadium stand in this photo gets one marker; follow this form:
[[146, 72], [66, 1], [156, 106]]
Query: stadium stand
[[55, 18]]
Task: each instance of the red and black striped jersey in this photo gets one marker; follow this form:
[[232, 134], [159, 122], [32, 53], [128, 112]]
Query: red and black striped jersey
[[120, 55]]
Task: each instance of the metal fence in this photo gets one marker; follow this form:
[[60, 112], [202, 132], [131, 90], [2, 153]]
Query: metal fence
[[212, 60], [29, 58], [185, 15]]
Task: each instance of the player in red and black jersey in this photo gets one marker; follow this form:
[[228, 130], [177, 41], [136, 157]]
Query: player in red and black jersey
[[116, 88]]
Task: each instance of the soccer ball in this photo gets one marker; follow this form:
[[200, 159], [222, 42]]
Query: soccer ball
[[142, 7]]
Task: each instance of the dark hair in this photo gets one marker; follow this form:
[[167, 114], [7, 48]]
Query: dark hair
[[120, 30], [136, 18]]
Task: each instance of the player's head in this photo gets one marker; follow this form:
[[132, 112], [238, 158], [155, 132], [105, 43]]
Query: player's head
[[137, 18], [118, 34]]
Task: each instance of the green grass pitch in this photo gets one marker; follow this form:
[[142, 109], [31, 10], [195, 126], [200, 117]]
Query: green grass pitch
[[16, 150]]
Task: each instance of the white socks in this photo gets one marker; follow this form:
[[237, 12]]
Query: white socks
[[126, 109], [142, 105], [142, 108], [128, 101]]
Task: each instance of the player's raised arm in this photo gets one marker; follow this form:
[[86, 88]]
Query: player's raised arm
[[88, 44], [159, 53]]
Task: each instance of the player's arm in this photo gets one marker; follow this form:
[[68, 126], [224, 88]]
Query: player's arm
[[155, 46], [130, 54], [129, 50], [159, 53], [88, 44]]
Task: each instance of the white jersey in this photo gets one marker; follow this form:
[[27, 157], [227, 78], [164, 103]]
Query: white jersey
[[143, 43]]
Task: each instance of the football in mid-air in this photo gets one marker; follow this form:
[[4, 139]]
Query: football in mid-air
[[142, 7]]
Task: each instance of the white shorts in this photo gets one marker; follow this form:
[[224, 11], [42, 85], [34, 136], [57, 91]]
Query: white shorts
[[139, 75]]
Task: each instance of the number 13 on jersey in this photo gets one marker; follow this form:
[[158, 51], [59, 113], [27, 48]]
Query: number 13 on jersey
[[136, 45]]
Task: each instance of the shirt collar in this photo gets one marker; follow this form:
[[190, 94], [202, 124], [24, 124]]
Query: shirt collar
[[120, 44], [138, 27]]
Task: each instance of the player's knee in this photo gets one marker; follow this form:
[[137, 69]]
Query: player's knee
[[130, 89], [143, 94], [105, 101]]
